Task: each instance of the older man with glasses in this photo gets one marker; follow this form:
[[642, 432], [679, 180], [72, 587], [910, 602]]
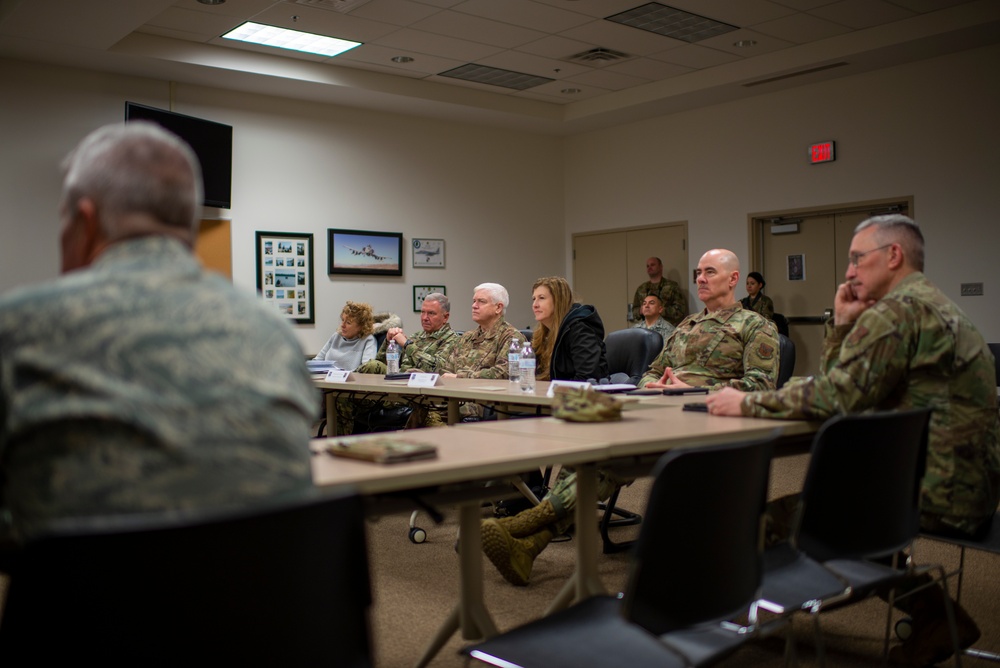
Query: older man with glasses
[[896, 341]]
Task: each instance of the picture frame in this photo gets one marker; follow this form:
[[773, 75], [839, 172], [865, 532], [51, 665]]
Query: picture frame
[[365, 252], [796, 267], [427, 253], [421, 291], [285, 274]]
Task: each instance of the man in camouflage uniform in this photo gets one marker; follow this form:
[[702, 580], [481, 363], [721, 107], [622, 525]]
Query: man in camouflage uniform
[[137, 381], [652, 317], [724, 345], [897, 342], [424, 351], [482, 352], [674, 304]]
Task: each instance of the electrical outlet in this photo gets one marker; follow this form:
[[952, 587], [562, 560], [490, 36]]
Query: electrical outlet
[[972, 289]]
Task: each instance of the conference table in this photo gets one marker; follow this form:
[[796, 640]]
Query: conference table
[[471, 454]]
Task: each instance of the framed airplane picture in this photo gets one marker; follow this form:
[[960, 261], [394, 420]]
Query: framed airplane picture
[[363, 252], [428, 253]]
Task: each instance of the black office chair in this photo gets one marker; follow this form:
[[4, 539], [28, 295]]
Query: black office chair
[[786, 364], [279, 585], [696, 565], [630, 352], [858, 508], [781, 322]]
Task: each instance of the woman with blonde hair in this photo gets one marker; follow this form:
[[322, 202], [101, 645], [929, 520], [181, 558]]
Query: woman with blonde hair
[[569, 340], [352, 344]]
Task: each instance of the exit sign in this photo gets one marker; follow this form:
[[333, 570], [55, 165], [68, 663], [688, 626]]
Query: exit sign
[[823, 152]]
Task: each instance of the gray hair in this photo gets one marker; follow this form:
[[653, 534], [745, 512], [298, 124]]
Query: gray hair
[[498, 294], [136, 168], [898, 229], [441, 299]]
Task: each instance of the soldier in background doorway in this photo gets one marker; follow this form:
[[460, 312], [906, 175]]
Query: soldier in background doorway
[[669, 292]]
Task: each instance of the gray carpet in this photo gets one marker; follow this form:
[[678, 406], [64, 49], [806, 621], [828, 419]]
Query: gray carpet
[[415, 587]]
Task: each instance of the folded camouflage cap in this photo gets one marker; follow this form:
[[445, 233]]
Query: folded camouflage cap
[[582, 404]]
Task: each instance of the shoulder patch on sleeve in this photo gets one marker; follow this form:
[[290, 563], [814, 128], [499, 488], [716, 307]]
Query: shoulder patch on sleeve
[[856, 336], [766, 351]]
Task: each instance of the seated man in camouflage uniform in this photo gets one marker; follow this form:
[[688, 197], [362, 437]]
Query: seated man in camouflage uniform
[[482, 352], [652, 317], [722, 346], [424, 352], [138, 382], [897, 342]]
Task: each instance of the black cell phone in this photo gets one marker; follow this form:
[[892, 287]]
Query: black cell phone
[[398, 376], [674, 391], [643, 392], [696, 406]]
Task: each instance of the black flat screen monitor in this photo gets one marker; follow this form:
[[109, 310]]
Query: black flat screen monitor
[[212, 143]]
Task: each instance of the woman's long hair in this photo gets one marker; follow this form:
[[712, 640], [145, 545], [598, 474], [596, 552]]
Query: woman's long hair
[[544, 339]]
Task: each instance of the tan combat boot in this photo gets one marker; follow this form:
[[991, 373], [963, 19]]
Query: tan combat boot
[[513, 557]]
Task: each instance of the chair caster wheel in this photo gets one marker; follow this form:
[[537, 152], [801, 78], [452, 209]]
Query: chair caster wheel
[[417, 535], [904, 628]]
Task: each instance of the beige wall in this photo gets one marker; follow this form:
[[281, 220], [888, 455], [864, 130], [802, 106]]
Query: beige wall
[[928, 129]]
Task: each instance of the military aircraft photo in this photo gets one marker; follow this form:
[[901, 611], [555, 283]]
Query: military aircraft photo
[[367, 251], [429, 253]]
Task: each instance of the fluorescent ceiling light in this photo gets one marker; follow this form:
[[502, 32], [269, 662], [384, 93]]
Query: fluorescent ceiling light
[[282, 38]]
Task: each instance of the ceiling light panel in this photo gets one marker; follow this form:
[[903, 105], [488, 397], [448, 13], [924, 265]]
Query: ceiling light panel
[[671, 22], [295, 40]]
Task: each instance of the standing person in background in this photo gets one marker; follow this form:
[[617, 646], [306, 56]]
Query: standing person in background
[[569, 340], [756, 300], [652, 317], [674, 304], [138, 382], [353, 344]]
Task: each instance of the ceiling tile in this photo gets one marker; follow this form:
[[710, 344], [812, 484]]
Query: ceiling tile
[[632, 41], [596, 8], [395, 12], [608, 80], [240, 8], [648, 68], [860, 14], [466, 26], [696, 57], [195, 23], [801, 28], [740, 14], [323, 22], [526, 13], [375, 54], [529, 64], [437, 45], [764, 43], [555, 47]]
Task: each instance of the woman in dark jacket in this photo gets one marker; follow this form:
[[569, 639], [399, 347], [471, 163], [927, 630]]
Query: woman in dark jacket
[[756, 300], [569, 340]]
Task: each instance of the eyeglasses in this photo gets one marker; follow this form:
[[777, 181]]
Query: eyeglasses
[[855, 258]]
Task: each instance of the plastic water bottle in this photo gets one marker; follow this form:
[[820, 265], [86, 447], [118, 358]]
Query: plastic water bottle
[[392, 357], [527, 364], [513, 361]]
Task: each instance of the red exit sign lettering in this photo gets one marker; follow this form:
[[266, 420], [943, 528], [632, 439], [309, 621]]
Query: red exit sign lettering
[[822, 152]]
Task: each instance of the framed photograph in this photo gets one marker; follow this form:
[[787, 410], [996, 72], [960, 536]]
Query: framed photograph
[[369, 253], [796, 267], [421, 291], [285, 274], [428, 253]]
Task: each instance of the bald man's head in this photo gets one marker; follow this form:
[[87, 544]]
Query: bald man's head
[[717, 276]]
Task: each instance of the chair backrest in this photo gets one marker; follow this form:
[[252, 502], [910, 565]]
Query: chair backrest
[[698, 555], [631, 351], [286, 585], [861, 495], [780, 322], [995, 349], [786, 365]]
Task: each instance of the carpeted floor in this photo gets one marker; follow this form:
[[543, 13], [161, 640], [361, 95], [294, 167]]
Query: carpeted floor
[[415, 587]]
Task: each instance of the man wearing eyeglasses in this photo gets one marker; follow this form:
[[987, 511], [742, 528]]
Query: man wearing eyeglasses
[[897, 342]]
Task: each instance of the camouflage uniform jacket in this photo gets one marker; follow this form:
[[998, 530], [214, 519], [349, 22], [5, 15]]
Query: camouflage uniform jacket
[[143, 383], [661, 327], [674, 304], [913, 348], [762, 304], [730, 347], [423, 351], [482, 353]]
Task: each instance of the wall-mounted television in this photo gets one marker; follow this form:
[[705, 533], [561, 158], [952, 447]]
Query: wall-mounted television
[[212, 143]]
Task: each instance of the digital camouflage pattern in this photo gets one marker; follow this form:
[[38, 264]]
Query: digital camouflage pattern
[[669, 292], [730, 347], [661, 327], [912, 349], [482, 353], [144, 383], [423, 351]]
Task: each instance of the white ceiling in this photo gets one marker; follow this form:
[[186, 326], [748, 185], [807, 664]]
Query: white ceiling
[[798, 42]]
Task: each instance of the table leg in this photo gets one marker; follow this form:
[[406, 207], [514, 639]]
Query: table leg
[[585, 581], [453, 413], [331, 413], [470, 615]]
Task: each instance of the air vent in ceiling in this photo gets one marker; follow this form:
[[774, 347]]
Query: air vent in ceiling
[[342, 6], [495, 77], [670, 22], [599, 56], [811, 70]]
